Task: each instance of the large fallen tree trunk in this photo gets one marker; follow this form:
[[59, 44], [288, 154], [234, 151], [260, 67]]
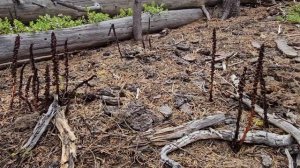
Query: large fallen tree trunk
[[92, 35], [28, 10]]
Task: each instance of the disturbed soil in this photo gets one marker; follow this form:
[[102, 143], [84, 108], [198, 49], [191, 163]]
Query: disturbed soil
[[178, 65]]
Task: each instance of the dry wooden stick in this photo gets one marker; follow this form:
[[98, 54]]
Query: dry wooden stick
[[212, 73], [116, 37], [290, 159], [67, 138], [14, 70]]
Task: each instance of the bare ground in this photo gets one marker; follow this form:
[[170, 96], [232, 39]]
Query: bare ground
[[105, 141]]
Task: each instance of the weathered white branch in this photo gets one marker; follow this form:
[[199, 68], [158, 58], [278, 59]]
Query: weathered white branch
[[278, 122], [42, 125], [67, 138], [290, 159], [256, 137], [161, 136]]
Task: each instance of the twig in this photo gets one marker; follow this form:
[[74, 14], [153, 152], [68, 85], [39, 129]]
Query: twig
[[82, 83], [116, 38]]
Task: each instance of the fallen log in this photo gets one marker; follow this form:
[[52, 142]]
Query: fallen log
[[92, 35], [254, 137], [28, 10]]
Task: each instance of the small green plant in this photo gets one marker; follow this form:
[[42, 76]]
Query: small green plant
[[94, 17], [154, 8], [44, 23], [124, 13], [5, 27], [19, 27], [292, 16]]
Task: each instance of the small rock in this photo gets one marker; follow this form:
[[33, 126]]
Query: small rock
[[256, 44], [189, 57], [285, 48], [180, 100], [183, 47], [166, 111], [186, 108], [139, 117], [266, 160]]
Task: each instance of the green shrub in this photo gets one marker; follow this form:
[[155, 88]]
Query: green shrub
[[154, 8], [19, 27], [124, 13], [292, 16], [44, 23], [5, 27], [94, 17]]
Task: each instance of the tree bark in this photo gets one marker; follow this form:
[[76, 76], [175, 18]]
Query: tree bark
[[137, 20], [231, 8]]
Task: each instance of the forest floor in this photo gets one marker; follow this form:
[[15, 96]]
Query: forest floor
[[107, 137]]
